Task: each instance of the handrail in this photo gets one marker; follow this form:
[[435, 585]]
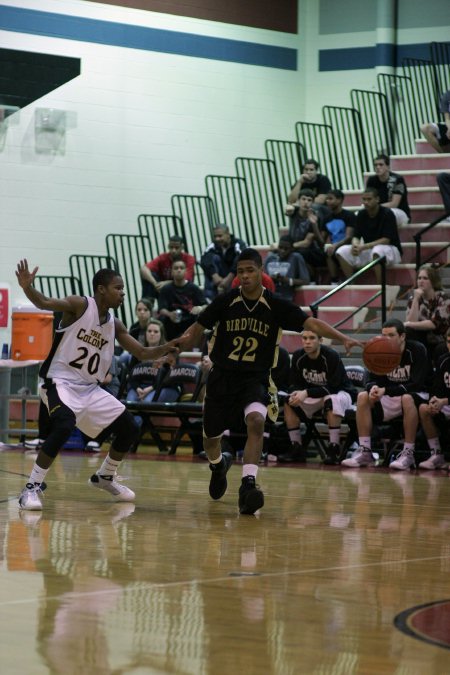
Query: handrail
[[358, 309], [418, 239], [377, 261]]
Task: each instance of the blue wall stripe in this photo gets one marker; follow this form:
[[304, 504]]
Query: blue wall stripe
[[149, 39], [358, 58]]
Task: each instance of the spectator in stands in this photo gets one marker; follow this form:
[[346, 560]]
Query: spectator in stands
[[437, 411], [310, 178], [219, 261], [391, 188], [375, 235], [286, 268], [428, 310], [155, 335], [180, 301], [143, 311], [443, 181], [158, 272], [305, 233], [395, 395], [143, 379], [318, 382], [337, 230], [436, 133]]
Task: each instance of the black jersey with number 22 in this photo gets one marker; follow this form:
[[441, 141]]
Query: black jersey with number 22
[[246, 333]]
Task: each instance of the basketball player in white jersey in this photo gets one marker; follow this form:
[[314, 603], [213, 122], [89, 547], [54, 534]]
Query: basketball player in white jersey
[[80, 356]]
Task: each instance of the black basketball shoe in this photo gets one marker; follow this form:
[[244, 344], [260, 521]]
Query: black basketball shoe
[[218, 482], [251, 498], [333, 453]]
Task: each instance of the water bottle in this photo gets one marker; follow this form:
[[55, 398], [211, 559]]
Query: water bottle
[[5, 351], [178, 315]]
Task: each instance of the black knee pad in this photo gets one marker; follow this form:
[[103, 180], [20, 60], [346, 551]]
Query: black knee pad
[[125, 430], [61, 424]]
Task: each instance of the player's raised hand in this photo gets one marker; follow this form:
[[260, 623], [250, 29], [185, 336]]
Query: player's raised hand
[[23, 274]]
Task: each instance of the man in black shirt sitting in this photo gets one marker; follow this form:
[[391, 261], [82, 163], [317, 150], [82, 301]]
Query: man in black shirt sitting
[[375, 235], [318, 382], [391, 188]]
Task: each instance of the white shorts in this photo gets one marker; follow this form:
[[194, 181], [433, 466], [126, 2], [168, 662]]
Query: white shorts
[[340, 402], [392, 406], [94, 408], [391, 253], [400, 217]]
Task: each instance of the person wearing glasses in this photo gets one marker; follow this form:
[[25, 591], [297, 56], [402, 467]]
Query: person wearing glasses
[[436, 412], [428, 311]]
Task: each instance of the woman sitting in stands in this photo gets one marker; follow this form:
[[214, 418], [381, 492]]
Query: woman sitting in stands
[[143, 311], [143, 376], [154, 336], [428, 311]]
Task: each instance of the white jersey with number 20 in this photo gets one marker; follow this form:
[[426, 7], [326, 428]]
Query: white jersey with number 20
[[84, 350]]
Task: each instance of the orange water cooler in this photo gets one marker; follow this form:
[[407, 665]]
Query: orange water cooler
[[32, 333]]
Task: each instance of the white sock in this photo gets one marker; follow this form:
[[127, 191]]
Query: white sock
[[365, 442], [37, 475], [215, 461], [109, 467], [249, 470], [434, 445], [335, 433], [295, 436]]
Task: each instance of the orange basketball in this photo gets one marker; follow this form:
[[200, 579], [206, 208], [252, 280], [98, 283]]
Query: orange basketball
[[381, 355]]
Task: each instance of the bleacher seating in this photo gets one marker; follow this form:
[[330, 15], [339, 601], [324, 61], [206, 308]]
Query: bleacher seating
[[252, 201]]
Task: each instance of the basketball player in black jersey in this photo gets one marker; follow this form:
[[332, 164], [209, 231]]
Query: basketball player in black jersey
[[247, 324]]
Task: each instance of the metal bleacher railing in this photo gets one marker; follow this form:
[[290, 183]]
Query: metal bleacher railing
[[349, 141], [315, 306], [440, 58], [376, 130], [266, 199], [425, 94], [230, 195], [130, 251], [58, 286], [158, 229], [83, 267], [397, 91], [385, 121], [319, 143], [418, 239], [198, 214], [289, 158]]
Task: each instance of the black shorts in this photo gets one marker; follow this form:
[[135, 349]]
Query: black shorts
[[228, 393], [442, 138]]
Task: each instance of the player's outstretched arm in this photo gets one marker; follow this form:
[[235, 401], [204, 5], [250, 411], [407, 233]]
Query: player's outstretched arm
[[135, 348], [325, 330], [192, 337]]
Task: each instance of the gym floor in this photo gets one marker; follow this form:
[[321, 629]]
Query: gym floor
[[342, 572]]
